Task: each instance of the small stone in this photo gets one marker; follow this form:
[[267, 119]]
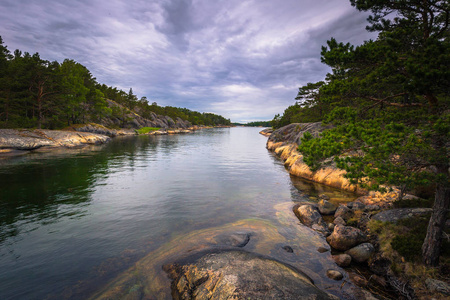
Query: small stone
[[339, 221], [322, 249], [331, 226], [362, 252], [438, 286], [358, 279], [288, 249], [324, 197], [335, 275], [342, 260]]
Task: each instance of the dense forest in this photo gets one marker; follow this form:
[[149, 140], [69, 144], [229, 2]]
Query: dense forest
[[389, 102], [38, 93]]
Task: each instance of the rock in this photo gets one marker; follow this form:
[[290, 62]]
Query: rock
[[34, 139], [358, 279], [238, 239], [362, 252], [343, 211], [339, 221], [266, 132], [438, 286], [372, 207], [322, 250], [394, 215], [342, 260], [323, 197], [346, 237], [331, 226], [378, 280], [96, 128], [358, 206], [239, 275], [310, 216], [288, 249], [326, 207], [335, 275]]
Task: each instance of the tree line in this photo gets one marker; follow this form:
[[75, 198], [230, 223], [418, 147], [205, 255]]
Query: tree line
[[47, 94], [389, 102]]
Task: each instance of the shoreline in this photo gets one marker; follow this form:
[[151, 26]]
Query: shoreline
[[354, 230], [17, 142]]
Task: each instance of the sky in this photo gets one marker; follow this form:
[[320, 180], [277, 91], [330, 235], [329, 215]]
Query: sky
[[242, 59]]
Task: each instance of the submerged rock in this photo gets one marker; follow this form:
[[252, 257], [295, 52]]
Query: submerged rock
[[238, 239], [239, 275], [346, 237]]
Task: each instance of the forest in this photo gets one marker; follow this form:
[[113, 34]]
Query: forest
[[389, 101], [37, 93]]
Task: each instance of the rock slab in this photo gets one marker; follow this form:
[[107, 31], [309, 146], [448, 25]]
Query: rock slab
[[239, 275]]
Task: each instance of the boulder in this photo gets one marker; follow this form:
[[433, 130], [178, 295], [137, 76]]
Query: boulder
[[310, 216], [346, 237], [343, 211], [326, 207], [239, 275], [335, 275], [362, 252], [342, 260]]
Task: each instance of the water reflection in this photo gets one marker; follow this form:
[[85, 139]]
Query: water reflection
[[77, 218]]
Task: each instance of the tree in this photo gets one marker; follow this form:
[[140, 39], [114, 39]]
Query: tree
[[390, 105]]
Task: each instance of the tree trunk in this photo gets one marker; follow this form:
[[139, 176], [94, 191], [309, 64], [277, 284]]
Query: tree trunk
[[432, 244]]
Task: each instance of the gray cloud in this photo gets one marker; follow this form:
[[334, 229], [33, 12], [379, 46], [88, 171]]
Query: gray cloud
[[242, 59]]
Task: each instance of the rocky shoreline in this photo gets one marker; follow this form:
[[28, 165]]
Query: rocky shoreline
[[21, 141], [346, 228]]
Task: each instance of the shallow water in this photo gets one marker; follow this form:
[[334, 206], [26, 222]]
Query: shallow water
[[73, 222]]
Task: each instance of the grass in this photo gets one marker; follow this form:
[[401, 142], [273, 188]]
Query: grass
[[145, 130]]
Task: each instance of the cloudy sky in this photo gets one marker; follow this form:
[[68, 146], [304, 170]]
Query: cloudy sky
[[243, 59]]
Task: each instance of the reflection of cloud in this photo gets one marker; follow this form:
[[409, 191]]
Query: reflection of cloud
[[190, 53]]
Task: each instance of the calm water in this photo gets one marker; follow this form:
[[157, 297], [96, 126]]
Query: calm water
[[72, 221]]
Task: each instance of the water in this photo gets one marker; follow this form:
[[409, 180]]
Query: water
[[73, 221]]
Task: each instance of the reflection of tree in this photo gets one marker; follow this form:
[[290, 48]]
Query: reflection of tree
[[39, 187]]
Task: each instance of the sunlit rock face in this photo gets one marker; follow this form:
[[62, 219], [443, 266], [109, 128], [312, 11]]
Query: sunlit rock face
[[34, 139], [285, 141]]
